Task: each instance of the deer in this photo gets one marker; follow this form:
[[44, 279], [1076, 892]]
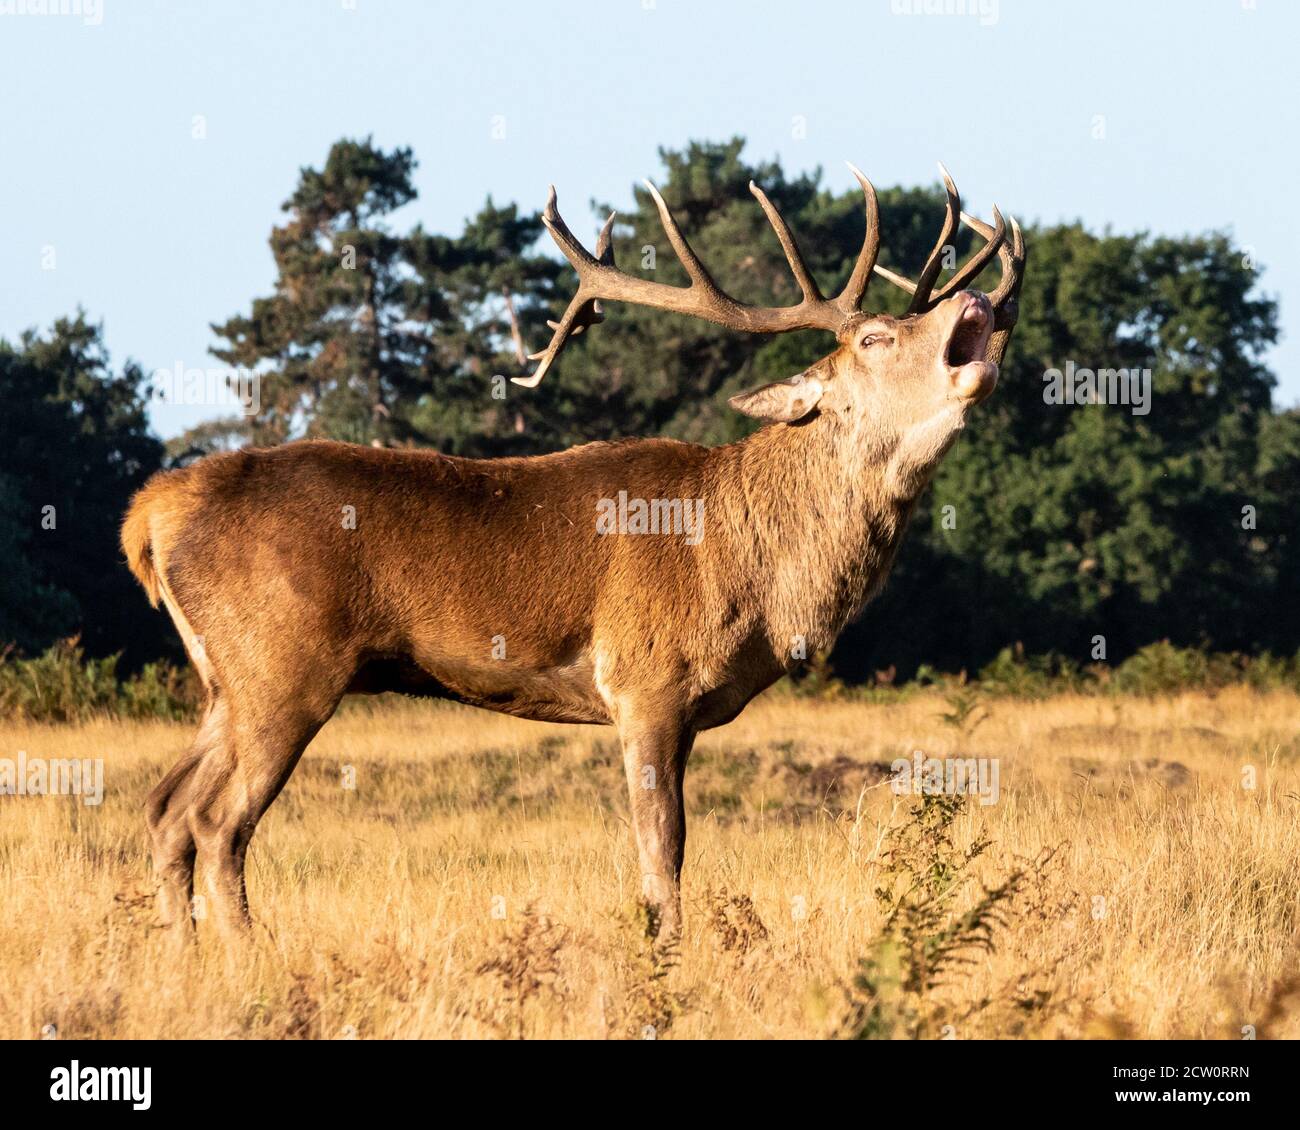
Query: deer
[[301, 573]]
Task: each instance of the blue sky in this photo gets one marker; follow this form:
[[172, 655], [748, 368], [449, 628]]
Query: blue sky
[[158, 234]]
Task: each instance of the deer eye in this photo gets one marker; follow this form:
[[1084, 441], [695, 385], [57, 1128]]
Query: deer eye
[[871, 339]]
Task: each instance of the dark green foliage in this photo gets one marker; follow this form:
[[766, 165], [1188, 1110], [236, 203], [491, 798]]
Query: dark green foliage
[[1074, 522], [74, 446], [1158, 668], [63, 685], [372, 336]]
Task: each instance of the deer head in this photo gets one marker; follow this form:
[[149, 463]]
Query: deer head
[[906, 382]]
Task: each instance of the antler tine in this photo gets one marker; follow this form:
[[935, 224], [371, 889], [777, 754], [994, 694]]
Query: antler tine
[[572, 250], [1011, 254], [1006, 303], [1006, 298], [971, 269], [850, 298], [798, 267], [898, 280], [583, 310], [565, 328], [605, 257], [605, 243], [934, 264], [705, 299], [920, 290], [695, 270], [581, 261]]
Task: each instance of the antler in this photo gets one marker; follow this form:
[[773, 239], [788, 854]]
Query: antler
[[1005, 299], [599, 279]]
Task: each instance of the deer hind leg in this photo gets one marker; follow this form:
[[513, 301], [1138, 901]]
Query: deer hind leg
[[237, 783], [655, 751], [168, 819]]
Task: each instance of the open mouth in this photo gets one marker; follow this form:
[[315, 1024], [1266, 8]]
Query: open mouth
[[970, 336]]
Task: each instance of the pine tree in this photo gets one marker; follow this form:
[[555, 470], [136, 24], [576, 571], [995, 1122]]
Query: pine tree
[[332, 345]]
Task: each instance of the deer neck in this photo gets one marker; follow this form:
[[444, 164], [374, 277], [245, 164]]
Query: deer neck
[[812, 512]]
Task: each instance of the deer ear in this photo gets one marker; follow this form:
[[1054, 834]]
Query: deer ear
[[783, 402]]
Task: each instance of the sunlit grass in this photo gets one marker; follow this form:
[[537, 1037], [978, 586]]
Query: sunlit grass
[[479, 880]]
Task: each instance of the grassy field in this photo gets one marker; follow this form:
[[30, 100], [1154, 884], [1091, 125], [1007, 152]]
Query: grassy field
[[479, 880]]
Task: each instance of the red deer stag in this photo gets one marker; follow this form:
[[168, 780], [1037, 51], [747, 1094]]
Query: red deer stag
[[298, 574]]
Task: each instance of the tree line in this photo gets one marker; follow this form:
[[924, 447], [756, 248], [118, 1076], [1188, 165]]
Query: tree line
[[1087, 530]]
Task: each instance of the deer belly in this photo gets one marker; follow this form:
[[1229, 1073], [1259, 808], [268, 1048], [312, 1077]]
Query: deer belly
[[561, 692]]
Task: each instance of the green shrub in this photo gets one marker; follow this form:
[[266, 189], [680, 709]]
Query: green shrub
[[161, 691], [1162, 668], [63, 685], [1035, 676], [930, 934], [1159, 668]]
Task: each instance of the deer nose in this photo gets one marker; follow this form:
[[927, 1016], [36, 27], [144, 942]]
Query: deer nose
[[978, 306], [975, 313]]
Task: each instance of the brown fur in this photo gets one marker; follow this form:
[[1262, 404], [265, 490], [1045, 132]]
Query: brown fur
[[285, 608], [136, 537]]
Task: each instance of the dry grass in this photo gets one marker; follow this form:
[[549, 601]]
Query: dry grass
[[479, 880]]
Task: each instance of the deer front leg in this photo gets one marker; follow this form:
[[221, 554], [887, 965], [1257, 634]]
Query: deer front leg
[[655, 751]]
